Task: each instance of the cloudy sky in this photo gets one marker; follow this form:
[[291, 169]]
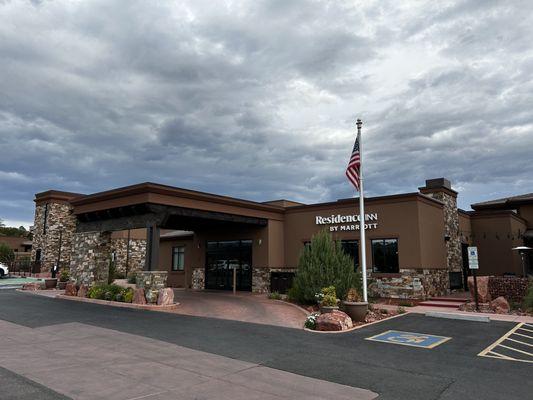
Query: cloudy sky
[[258, 99]]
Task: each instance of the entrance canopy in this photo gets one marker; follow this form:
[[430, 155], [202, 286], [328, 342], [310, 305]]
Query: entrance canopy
[[156, 207], [149, 204]]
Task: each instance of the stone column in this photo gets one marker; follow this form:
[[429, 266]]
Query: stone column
[[440, 189], [91, 254]]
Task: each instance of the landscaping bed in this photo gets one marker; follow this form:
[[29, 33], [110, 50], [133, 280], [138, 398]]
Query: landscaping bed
[[152, 307]]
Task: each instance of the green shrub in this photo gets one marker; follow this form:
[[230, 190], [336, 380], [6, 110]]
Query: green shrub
[[328, 297], [132, 278], [96, 292], [274, 296], [401, 310], [324, 264], [64, 275], [120, 275], [310, 321], [105, 292], [528, 299], [128, 295]]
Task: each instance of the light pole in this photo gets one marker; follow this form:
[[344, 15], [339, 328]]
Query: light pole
[[523, 250]]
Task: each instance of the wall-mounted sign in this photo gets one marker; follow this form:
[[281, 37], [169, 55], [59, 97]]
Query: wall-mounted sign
[[341, 223]]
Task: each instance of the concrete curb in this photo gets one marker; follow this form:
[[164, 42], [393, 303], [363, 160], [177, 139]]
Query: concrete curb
[[150, 307], [464, 317], [357, 327]]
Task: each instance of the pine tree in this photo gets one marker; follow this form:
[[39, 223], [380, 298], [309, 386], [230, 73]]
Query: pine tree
[[324, 264]]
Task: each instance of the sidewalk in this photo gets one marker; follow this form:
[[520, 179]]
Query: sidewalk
[[424, 309], [87, 362]]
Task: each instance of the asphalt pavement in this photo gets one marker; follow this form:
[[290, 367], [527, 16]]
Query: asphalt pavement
[[450, 370]]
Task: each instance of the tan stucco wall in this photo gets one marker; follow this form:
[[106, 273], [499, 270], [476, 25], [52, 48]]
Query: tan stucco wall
[[180, 279], [495, 235], [396, 219]]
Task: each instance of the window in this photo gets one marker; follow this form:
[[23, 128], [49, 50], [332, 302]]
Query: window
[[178, 258], [385, 256], [45, 218], [351, 247]]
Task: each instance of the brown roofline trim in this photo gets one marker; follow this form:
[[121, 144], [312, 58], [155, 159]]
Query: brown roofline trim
[[496, 214], [449, 192], [149, 187], [369, 200], [504, 205], [56, 195]]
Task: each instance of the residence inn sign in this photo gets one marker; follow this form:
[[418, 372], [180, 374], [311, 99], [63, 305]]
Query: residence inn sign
[[340, 223]]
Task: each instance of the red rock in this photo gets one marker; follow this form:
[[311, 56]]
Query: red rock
[[333, 321], [165, 297], [82, 291], [138, 296], [500, 305], [482, 288], [70, 289]]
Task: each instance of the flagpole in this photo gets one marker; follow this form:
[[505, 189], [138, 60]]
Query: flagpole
[[362, 212]]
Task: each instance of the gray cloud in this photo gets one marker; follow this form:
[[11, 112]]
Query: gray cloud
[[257, 99]]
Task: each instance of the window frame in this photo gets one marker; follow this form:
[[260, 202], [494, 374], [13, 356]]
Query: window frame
[[177, 253], [382, 240]]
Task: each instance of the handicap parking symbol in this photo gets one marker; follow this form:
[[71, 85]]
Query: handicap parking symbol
[[410, 339]]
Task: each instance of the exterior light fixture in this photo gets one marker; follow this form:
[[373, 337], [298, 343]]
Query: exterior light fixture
[[523, 250]]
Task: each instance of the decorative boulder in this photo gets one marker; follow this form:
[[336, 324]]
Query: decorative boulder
[[32, 286], [70, 289], [82, 291], [333, 321], [165, 297], [483, 294], [151, 296], [500, 306], [138, 296]]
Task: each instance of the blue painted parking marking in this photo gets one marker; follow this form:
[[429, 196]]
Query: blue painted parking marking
[[410, 339]]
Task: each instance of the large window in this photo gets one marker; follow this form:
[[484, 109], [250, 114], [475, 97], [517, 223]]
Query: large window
[[385, 256], [178, 258], [351, 247]]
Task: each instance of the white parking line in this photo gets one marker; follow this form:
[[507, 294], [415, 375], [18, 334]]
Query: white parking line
[[528, 330], [489, 351]]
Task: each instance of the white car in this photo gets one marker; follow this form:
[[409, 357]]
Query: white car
[[4, 270]]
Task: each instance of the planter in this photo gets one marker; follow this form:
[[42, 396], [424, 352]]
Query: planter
[[61, 285], [50, 283], [356, 310], [327, 309]]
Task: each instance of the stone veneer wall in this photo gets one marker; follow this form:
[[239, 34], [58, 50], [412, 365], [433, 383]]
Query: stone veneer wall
[[91, 254], [198, 278], [417, 284], [511, 287], [136, 258], [59, 219], [454, 257], [261, 278]]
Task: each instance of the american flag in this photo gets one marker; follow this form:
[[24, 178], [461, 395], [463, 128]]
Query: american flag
[[352, 171]]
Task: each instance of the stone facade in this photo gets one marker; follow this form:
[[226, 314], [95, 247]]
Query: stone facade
[[411, 284], [137, 255], [198, 278], [54, 226], [454, 256], [261, 278], [491, 287], [91, 255]]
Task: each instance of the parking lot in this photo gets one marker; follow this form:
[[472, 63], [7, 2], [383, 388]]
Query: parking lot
[[515, 345], [439, 369]]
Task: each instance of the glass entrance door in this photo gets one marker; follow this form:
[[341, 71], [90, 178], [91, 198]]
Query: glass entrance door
[[222, 257]]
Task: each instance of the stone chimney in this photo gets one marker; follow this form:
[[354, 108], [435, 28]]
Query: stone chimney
[[441, 189]]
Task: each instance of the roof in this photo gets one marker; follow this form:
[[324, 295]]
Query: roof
[[176, 234], [505, 202]]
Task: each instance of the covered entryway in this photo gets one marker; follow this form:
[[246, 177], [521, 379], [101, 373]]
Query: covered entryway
[[222, 258], [223, 234]]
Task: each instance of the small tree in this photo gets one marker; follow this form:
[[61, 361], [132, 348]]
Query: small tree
[[6, 253], [324, 264]]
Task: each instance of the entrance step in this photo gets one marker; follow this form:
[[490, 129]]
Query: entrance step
[[449, 299], [440, 303]]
